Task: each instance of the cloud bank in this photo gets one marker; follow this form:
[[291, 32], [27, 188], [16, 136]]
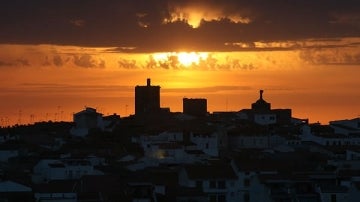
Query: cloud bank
[[175, 25]]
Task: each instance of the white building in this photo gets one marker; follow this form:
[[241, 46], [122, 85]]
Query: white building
[[333, 193], [86, 120], [50, 169], [56, 191], [5, 154], [346, 127], [219, 182], [353, 154], [208, 142], [4, 137], [170, 147], [254, 137], [89, 119], [328, 138]]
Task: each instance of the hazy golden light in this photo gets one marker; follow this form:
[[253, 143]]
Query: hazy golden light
[[185, 59]]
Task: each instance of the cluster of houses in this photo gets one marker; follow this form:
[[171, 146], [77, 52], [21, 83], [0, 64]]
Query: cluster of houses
[[255, 154]]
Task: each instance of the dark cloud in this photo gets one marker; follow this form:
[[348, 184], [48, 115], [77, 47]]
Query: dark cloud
[[61, 87], [16, 62], [88, 61], [22, 62], [330, 57], [58, 61], [167, 25], [127, 64], [172, 62], [6, 64]]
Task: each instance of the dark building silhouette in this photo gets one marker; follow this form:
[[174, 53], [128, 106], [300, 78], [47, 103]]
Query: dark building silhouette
[[147, 99], [262, 113], [195, 106], [261, 105]]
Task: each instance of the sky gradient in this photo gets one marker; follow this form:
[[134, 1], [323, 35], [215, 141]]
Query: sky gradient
[[58, 56]]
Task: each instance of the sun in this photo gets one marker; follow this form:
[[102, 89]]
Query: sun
[[185, 59]]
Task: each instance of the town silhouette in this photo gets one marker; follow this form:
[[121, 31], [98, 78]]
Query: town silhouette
[[254, 154]]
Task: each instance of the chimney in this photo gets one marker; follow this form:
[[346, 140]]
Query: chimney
[[148, 82], [261, 94]]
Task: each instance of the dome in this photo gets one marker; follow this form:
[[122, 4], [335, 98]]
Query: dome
[[261, 104]]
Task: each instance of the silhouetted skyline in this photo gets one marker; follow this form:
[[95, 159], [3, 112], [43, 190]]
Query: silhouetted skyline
[[57, 57]]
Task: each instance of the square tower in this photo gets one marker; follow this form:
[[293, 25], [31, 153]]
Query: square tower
[[147, 99]]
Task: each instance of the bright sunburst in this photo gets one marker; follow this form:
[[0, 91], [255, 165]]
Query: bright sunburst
[[185, 59]]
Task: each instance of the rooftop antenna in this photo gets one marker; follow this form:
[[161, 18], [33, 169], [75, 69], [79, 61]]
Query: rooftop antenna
[[32, 117], [19, 118], [227, 104]]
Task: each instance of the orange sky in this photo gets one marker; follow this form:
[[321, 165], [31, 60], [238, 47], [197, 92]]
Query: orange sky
[[48, 82]]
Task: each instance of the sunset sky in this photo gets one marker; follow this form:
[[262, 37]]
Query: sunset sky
[[56, 57]]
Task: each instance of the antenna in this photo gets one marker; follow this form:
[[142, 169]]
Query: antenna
[[19, 117], [31, 116], [227, 104]]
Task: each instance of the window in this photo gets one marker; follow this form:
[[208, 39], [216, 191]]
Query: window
[[70, 174], [221, 198], [246, 197], [212, 184], [199, 184], [212, 198], [333, 197], [221, 184], [217, 198], [246, 182]]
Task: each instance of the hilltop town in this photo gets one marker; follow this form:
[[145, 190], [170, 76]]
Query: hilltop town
[[250, 155]]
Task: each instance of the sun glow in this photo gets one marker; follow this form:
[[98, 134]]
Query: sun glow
[[185, 59]]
